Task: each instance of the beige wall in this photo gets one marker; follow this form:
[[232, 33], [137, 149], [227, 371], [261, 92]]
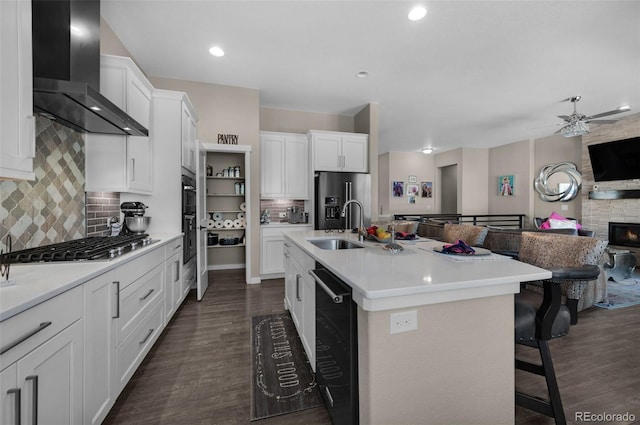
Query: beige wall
[[367, 121], [473, 171], [287, 121], [552, 150], [512, 159], [398, 166]]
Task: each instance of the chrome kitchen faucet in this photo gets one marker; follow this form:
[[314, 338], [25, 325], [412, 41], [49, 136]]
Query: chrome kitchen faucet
[[361, 229]]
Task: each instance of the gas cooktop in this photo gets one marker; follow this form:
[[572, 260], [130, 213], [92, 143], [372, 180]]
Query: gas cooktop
[[86, 249]]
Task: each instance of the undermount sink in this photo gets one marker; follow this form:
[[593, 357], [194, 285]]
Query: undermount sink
[[334, 244]]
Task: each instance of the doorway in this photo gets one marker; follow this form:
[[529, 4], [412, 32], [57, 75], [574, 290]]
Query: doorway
[[449, 189]]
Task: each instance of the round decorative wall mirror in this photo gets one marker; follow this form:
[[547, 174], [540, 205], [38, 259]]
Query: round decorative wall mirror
[[558, 182]]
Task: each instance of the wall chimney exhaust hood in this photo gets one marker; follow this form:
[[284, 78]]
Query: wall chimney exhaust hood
[[66, 69]]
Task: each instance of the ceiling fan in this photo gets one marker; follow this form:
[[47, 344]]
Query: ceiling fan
[[576, 124]]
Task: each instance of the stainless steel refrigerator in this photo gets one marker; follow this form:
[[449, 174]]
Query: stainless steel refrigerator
[[332, 190]]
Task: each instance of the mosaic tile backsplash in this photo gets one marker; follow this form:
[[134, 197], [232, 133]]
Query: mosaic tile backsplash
[[51, 208], [277, 206]]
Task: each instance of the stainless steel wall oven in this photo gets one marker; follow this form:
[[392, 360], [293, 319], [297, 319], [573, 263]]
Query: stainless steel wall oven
[[189, 227]]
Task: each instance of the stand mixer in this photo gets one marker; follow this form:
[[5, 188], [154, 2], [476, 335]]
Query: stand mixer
[[134, 220]]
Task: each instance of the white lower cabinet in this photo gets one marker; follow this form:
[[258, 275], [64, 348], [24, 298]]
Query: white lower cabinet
[[124, 314], [272, 249], [42, 363], [100, 318], [300, 296], [173, 279]]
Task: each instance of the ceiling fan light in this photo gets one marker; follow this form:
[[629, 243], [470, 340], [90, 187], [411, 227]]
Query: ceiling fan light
[[575, 129]]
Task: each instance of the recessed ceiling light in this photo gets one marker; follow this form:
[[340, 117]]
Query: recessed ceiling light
[[362, 74], [94, 108], [427, 151], [417, 13], [624, 108], [216, 51]]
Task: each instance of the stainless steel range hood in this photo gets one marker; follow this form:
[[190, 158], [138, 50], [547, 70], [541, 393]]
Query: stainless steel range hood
[[66, 69]]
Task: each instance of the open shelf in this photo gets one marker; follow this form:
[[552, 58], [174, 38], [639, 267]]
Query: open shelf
[[614, 194], [225, 178], [226, 246], [224, 194]]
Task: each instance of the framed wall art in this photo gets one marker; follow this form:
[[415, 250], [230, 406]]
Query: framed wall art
[[397, 189], [413, 179], [506, 185], [426, 189], [413, 189]]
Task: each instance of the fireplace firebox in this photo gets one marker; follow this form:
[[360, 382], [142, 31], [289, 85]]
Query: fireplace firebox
[[624, 234]]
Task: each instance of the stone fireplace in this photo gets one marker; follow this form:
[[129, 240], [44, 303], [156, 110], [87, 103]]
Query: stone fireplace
[[624, 234], [597, 214]]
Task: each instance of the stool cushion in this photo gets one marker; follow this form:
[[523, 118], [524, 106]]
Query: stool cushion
[[525, 320]]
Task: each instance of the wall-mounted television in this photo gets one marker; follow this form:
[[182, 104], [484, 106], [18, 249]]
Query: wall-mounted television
[[619, 160]]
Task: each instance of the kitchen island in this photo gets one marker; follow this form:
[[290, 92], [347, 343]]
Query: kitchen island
[[457, 366]]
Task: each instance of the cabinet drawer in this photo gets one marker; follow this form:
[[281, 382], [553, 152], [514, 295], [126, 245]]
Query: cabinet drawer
[[172, 247], [305, 261], [133, 270], [22, 333], [134, 348], [137, 299]]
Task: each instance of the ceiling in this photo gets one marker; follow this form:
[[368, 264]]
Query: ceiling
[[470, 74]]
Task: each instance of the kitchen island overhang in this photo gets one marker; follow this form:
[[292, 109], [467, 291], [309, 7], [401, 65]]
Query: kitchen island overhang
[[382, 280], [458, 365]]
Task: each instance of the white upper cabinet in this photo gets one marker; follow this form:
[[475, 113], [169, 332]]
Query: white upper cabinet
[[337, 151], [189, 137], [122, 163], [285, 165], [17, 123]]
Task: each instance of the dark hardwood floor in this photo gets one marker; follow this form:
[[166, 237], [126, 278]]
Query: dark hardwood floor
[[198, 372]]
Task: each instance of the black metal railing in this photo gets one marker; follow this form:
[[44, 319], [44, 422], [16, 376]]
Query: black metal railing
[[499, 220]]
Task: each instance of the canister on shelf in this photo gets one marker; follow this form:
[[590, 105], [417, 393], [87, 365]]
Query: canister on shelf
[[237, 187], [241, 188], [237, 171], [225, 172], [209, 170]]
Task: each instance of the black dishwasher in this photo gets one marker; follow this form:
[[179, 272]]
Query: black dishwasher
[[336, 346]]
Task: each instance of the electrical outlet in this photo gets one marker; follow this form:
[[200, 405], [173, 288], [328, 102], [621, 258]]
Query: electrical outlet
[[403, 322], [283, 215], [564, 207]]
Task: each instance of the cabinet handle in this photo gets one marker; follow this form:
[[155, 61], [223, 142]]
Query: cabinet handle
[[17, 403], [147, 337], [147, 295], [133, 169], [177, 271], [298, 287], [117, 303], [286, 255], [328, 393], [287, 245], [34, 417], [24, 338], [177, 247]]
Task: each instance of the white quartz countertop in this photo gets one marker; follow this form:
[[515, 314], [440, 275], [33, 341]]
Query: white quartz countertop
[[36, 283], [382, 280]]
